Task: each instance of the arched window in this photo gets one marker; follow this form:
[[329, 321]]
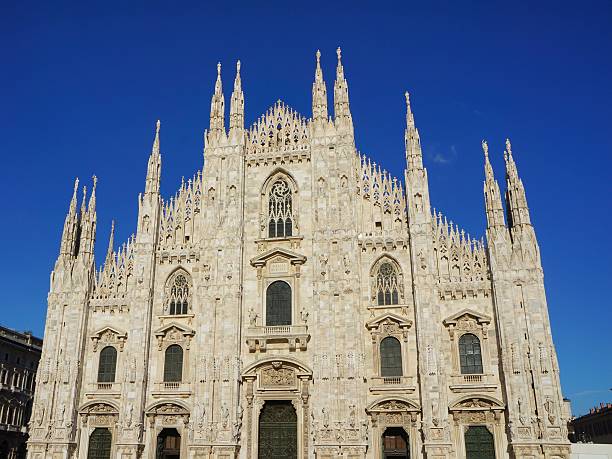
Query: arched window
[[470, 357], [178, 293], [386, 286], [280, 210], [390, 357], [107, 365], [278, 304], [479, 443], [99, 444], [173, 364]]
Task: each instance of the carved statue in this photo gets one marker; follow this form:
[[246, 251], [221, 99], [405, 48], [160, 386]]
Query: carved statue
[[304, 314], [325, 417], [352, 415], [432, 364], [225, 415], [549, 405], [253, 316], [543, 357]]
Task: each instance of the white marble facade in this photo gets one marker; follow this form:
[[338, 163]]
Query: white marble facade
[[362, 257]]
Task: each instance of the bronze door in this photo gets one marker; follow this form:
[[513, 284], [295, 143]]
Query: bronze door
[[395, 444], [278, 431]]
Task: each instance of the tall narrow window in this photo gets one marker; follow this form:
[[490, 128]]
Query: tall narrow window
[[479, 443], [178, 293], [386, 286], [390, 357], [99, 444], [278, 304], [469, 354], [280, 210], [107, 365], [173, 365]]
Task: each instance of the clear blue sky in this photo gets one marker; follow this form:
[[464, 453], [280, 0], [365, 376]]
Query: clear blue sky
[[81, 88]]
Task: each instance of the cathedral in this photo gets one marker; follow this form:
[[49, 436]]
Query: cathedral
[[295, 300]]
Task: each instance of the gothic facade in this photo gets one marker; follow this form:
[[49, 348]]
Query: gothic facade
[[294, 300]]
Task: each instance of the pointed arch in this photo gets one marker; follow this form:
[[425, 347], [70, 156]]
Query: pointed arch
[[387, 282], [178, 292], [279, 205]]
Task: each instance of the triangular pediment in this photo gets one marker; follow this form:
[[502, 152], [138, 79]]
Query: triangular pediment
[[288, 255], [469, 313], [109, 330], [389, 318], [183, 329]]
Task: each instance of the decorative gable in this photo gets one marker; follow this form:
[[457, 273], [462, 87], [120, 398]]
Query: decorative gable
[[280, 129], [109, 335]]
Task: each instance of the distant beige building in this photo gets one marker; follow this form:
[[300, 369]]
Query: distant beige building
[[294, 300]]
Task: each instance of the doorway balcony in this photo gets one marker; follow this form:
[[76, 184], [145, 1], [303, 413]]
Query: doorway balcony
[[473, 382], [382, 384]]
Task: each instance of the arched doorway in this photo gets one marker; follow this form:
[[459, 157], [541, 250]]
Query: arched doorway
[[395, 444], [100, 442], [278, 430], [479, 443], [168, 444]]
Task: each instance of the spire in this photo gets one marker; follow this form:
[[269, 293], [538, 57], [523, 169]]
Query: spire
[[516, 200], [237, 105], [91, 207], [342, 111], [414, 155], [493, 203], [319, 94], [67, 245], [154, 166], [111, 243], [217, 109], [88, 222]]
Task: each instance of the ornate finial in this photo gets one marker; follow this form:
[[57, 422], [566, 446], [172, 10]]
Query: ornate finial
[[339, 53], [157, 126], [95, 182], [407, 94], [238, 67], [485, 148], [219, 69], [318, 57], [76, 186], [508, 147]]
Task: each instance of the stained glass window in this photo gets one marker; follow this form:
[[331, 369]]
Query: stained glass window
[[173, 365], [278, 304], [107, 365], [390, 357], [280, 210], [178, 294], [469, 354], [386, 287]]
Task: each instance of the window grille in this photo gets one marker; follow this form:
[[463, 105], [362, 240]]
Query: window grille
[[387, 289], [173, 365], [278, 304], [107, 365], [390, 357], [469, 354], [479, 443], [280, 210]]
